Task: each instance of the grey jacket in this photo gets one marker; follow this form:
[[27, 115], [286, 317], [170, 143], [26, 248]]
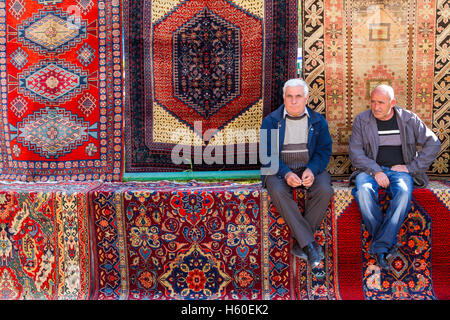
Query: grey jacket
[[364, 142]]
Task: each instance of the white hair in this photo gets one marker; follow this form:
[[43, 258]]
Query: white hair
[[295, 83], [387, 89]]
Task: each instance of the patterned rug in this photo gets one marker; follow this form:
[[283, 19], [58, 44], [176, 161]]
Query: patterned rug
[[62, 113], [351, 46], [201, 75], [44, 241], [420, 267], [316, 283], [187, 241]]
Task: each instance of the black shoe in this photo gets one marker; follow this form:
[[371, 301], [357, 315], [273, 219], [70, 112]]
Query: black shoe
[[298, 252], [382, 261], [314, 253]]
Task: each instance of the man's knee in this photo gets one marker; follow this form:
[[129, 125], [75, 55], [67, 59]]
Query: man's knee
[[323, 186], [275, 186]]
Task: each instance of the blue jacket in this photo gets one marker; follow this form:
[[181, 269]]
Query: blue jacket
[[319, 142]]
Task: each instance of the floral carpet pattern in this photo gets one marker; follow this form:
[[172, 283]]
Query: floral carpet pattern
[[187, 241], [44, 241], [419, 269], [194, 240]]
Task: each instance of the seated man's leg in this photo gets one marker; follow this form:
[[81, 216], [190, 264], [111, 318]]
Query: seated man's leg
[[366, 195], [319, 196], [400, 189], [281, 195]]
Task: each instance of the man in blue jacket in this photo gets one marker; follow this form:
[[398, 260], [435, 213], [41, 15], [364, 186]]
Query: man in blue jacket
[[295, 148]]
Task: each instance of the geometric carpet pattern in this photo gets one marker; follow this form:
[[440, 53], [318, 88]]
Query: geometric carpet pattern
[[187, 241], [201, 76], [61, 86]]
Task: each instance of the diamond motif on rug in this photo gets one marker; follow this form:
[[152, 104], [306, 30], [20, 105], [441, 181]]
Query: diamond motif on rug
[[51, 31], [53, 132], [19, 58], [206, 68], [52, 81], [17, 8]]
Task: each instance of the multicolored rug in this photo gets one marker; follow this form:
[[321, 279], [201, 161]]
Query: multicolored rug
[[316, 283], [187, 241], [62, 90], [201, 75], [351, 46], [166, 240], [44, 241], [420, 267]]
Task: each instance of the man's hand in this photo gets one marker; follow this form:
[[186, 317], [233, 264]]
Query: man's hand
[[400, 168], [293, 180], [382, 179], [308, 178]]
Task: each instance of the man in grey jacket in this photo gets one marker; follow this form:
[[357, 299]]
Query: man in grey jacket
[[383, 150]]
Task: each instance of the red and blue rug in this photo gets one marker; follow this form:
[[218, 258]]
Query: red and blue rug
[[420, 267], [62, 90], [45, 251], [187, 241], [201, 76]]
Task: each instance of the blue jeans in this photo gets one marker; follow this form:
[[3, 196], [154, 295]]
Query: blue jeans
[[383, 228]]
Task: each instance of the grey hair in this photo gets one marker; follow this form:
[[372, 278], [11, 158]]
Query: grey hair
[[295, 83], [387, 89]]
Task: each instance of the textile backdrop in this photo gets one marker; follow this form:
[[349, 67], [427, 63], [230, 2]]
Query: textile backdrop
[[201, 75], [350, 46], [61, 90]]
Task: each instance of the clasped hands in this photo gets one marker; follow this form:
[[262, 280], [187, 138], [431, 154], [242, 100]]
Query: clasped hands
[[293, 180], [382, 179]]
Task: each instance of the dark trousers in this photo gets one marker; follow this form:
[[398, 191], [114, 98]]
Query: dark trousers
[[302, 227]]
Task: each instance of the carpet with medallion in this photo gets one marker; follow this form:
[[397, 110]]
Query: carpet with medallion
[[166, 240], [351, 46], [62, 90], [201, 75], [194, 240]]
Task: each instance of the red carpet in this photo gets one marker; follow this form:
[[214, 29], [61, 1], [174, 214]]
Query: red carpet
[[420, 268]]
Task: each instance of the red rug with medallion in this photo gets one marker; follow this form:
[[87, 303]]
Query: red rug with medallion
[[62, 90], [201, 76], [188, 241]]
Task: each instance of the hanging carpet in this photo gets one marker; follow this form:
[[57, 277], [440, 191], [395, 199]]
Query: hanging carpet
[[201, 75], [351, 46], [61, 90]]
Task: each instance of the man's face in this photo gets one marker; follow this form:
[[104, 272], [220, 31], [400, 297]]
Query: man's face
[[382, 108], [295, 100]]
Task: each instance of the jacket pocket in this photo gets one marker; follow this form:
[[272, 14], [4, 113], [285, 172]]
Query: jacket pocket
[[410, 145]]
